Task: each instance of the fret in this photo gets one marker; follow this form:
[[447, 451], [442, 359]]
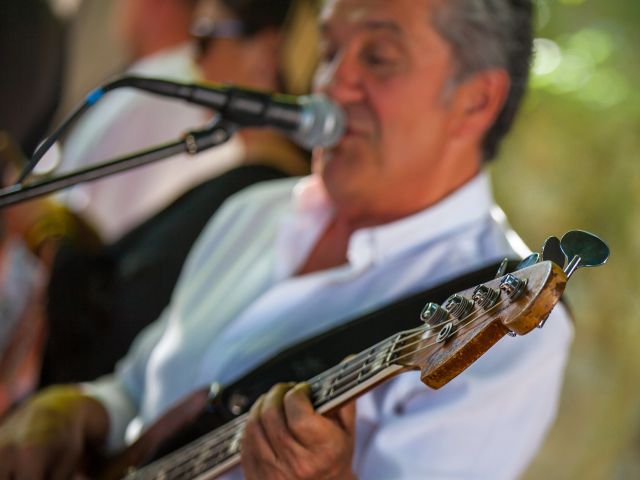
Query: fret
[[234, 444], [392, 350], [319, 391], [340, 376], [325, 388], [365, 366], [201, 462], [352, 373]]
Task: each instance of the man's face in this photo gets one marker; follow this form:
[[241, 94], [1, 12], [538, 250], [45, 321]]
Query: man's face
[[232, 58], [384, 63], [128, 15]]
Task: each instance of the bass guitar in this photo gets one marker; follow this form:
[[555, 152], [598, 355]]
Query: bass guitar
[[453, 336]]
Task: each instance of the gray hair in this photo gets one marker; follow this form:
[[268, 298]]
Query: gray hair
[[490, 34]]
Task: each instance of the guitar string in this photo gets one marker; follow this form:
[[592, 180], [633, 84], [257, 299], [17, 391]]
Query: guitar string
[[173, 458], [222, 438], [347, 370]]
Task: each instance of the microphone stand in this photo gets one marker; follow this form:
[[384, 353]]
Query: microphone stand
[[215, 133]]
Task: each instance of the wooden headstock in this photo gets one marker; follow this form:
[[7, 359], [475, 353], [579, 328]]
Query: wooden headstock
[[470, 322]]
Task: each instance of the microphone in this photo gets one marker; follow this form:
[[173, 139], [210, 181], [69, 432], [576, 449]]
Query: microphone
[[309, 120]]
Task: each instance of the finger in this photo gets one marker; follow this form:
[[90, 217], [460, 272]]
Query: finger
[[66, 467], [346, 417], [256, 453], [254, 440], [30, 466], [305, 424], [274, 423], [30, 472], [6, 464]]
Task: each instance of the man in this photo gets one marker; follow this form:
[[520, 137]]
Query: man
[[399, 205], [158, 41]]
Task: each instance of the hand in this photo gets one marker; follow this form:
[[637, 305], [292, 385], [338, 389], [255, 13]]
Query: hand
[[285, 438], [47, 437]]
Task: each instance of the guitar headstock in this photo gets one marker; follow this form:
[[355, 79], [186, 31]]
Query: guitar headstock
[[468, 323]]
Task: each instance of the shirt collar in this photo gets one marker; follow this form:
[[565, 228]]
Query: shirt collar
[[175, 63], [367, 246]]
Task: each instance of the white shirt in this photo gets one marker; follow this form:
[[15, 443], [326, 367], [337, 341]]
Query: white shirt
[[125, 121], [238, 303]]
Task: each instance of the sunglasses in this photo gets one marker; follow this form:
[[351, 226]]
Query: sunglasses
[[204, 30]]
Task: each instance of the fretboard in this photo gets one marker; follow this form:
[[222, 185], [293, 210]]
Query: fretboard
[[219, 450]]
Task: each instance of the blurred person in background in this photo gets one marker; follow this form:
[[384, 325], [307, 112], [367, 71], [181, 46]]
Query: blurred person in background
[[98, 302], [99, 298], [157, 38], [32, 63], [31, 78]]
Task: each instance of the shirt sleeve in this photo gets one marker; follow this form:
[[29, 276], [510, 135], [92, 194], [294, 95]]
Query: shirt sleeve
[[485, 424], [121, 392]]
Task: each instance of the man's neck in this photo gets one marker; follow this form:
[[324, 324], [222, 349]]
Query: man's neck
[[331, 248]]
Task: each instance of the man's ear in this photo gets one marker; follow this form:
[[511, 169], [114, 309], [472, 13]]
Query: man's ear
[[478, 102]]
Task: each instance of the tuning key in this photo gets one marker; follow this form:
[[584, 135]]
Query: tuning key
[[433, 314], [513, 286], [485, 296], [502, 269], [584, 249], [527, 262], [458, 306], [552, 251]]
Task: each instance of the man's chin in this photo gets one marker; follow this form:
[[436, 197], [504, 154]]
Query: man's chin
[[348, 150], [340, 166]]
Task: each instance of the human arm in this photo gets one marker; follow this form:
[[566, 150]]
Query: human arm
[[49, 436]]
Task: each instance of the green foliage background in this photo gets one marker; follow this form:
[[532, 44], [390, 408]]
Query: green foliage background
[[573, 161]]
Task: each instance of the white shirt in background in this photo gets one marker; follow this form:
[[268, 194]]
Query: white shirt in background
[[126, 120]]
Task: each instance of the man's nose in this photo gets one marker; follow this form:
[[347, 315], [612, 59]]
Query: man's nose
[[341, 79]]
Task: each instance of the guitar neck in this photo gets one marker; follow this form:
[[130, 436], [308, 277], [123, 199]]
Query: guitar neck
[[219, 450]]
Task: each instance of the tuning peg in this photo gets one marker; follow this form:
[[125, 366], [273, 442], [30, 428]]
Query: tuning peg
[[584, 249], [551, 250], [527, 262], [502, 269]]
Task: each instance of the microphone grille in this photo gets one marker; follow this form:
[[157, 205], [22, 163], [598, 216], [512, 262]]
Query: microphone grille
[[322, 122]]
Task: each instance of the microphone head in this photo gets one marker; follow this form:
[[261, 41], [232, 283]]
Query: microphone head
[[322, 122]]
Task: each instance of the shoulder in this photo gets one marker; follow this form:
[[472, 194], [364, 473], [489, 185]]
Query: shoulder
[[253, 212], [262, 197]]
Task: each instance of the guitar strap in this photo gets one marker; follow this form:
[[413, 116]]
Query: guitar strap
[[317, 354]]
